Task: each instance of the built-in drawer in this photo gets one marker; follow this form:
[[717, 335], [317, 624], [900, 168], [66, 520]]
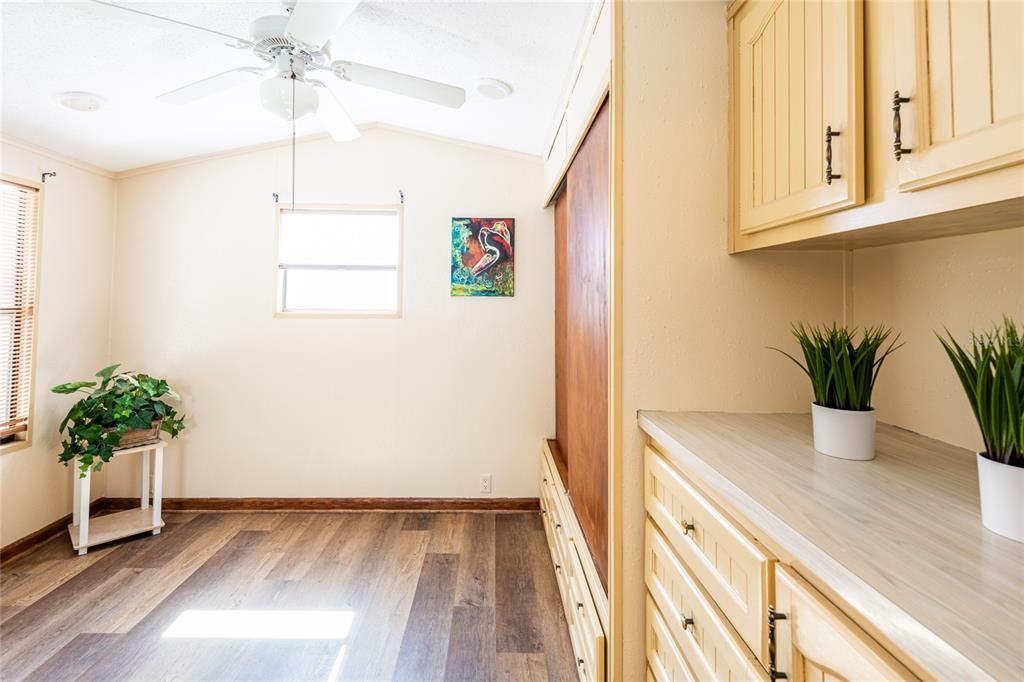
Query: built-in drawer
[[817, 641], [588, 624], [731, 566], [665, 661], [581, 609], [710, 646]]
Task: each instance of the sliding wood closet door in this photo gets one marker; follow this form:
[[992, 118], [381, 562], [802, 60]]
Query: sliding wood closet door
[[586, 337], [561, 325]]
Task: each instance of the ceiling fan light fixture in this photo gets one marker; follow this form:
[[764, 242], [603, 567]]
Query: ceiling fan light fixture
[[276, 97]]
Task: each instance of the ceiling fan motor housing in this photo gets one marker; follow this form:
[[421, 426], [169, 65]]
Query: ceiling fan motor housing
[[269, 39]]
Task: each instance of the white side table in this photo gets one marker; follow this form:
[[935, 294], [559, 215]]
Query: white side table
[[86, 532]]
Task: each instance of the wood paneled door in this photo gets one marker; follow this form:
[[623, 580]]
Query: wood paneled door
[[797, 109], [958, 70]]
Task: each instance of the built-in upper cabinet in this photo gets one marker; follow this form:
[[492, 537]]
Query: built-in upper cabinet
[[960, 103], [798, 111], [814, 115]]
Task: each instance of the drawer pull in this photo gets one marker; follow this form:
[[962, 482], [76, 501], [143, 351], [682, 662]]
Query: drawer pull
[[687, 527], [558, 525], [579, 662], [558, 567], [687, 623], [579, 605], [829, 175], [897, 125], [773, 617]]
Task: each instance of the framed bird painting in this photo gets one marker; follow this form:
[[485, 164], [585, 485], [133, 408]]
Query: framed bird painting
[[483, 256]]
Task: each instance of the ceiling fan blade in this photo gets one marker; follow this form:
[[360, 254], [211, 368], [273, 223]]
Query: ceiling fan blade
[[240, 42], [312, 23], [400, 83], [211, 86], [333, 115]]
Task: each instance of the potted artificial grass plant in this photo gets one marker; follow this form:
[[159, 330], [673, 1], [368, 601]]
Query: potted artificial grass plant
[[991, 371], [843, 374], [122, 410]]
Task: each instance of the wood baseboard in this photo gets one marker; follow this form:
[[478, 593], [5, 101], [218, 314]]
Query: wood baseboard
[[238, 504], [510, 504], [33, 540]]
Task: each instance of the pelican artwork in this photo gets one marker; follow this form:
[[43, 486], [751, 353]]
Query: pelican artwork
[[497, 245], [483, 256]]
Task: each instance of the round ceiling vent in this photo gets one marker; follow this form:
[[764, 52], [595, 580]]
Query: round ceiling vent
[[80, 101], [492, 88]]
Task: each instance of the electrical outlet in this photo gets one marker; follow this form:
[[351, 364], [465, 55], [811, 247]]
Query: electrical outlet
[[485, 483]]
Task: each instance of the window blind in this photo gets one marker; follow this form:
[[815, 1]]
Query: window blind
[[19, 221]]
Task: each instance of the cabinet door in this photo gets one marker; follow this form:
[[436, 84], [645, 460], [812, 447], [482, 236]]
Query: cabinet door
[[797, 69], [959, 64], [816, 641]]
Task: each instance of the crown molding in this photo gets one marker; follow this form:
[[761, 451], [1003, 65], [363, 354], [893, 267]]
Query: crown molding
[[57, 156], [364, 128]]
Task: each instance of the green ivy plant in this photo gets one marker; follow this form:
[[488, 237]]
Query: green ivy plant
[[842, 371], [118, 403], [991, 370]]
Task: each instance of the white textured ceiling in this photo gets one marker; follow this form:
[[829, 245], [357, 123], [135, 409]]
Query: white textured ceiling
[[52, 47]]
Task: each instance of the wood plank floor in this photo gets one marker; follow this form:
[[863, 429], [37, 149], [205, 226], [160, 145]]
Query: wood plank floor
[[408, 596]]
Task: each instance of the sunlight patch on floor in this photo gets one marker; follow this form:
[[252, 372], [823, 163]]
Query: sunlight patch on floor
[[246, 624]]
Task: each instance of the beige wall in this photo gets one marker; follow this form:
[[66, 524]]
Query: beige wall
[[695, 320], [960, 283], [74, 322], [415, 407]]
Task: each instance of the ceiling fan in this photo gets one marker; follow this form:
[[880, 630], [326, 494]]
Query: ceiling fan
[[295, 45]]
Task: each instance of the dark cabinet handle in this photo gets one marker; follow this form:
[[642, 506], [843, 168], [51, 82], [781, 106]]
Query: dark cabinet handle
[[829, 175], [773, 672], [897, 125], [687, 623]]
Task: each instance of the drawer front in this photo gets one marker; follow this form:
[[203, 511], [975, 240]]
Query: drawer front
[[581, 612], [710, 646], [731, 566], [817, 641], [665, 662], [591, 635]]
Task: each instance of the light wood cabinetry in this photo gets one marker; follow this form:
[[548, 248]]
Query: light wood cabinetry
[[798, 110], [587, 90], [881, 569], [960, 88], [733, 567], [710, 645], [583, 599], [956, 66], [721, 607], [816, 642]]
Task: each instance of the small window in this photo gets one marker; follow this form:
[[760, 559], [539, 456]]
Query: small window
[[19, 225], [339, 261]]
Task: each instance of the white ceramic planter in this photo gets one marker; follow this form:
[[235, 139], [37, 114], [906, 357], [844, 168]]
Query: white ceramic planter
[[1002, 498], [845, 434]]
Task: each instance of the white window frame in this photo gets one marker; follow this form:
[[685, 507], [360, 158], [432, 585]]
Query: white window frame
[[278, 309], [24, 439]]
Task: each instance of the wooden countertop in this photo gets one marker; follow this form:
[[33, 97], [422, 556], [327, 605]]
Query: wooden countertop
[[898, 541]]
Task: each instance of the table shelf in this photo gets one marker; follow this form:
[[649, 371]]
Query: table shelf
[[86, 532], [115, 526]]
